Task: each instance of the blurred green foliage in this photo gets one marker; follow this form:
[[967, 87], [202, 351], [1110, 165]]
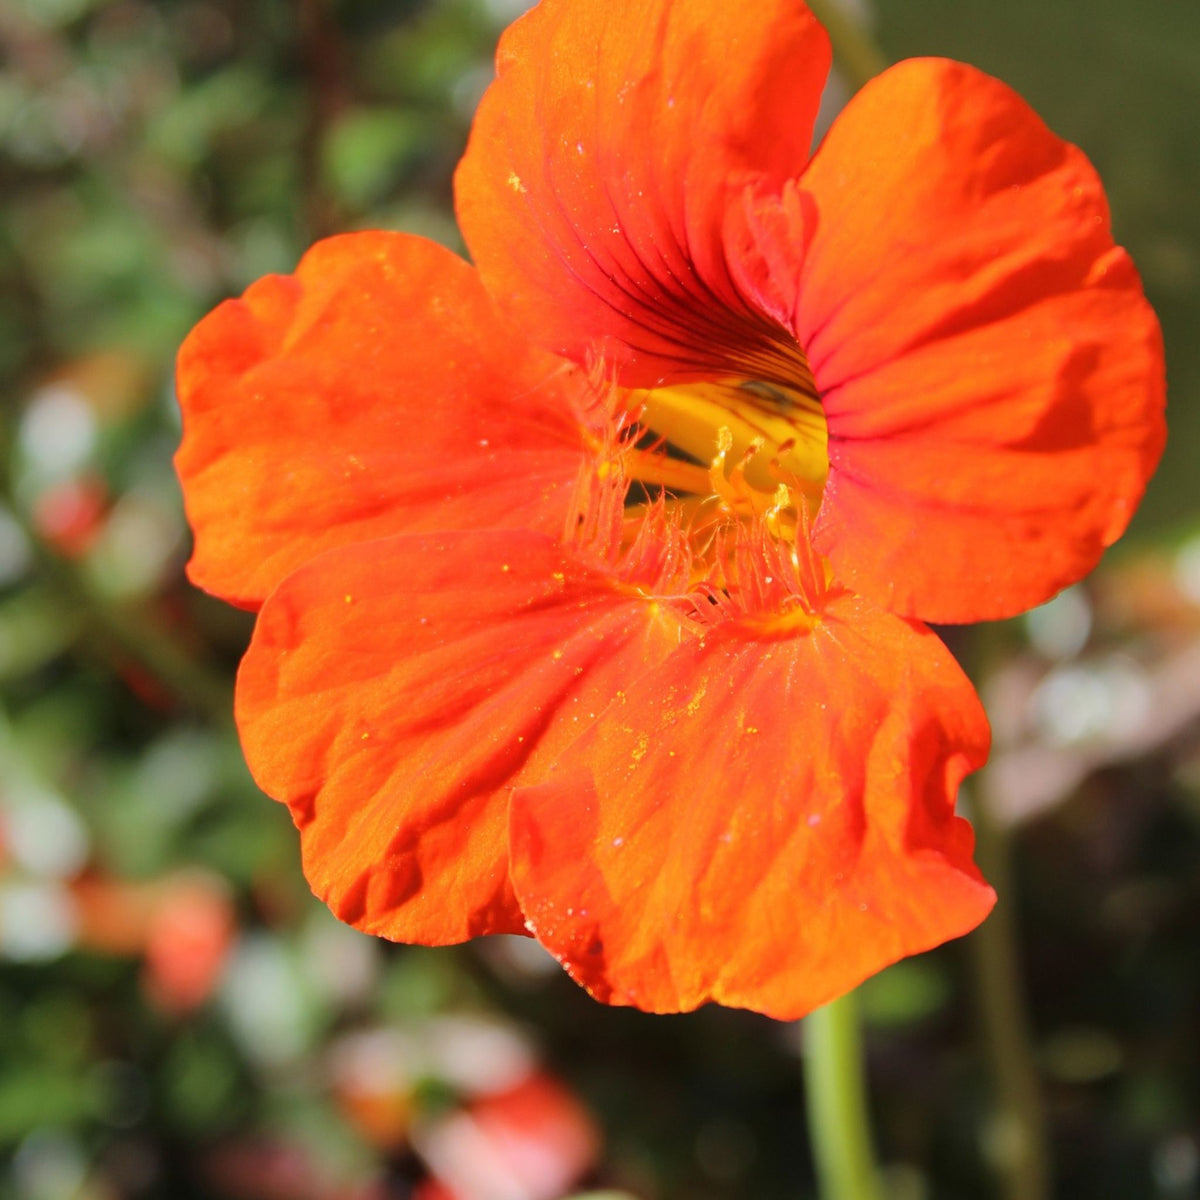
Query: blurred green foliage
[[178, 1017]]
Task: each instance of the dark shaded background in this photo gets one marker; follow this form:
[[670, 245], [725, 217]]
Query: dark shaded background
[[178, 1018]]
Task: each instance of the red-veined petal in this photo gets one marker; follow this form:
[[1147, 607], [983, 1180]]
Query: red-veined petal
[[991, 373], [374, 391], [394, 692], [763, 823], [603, 162]]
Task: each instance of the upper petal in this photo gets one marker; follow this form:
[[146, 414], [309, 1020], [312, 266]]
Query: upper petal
[[394, 691], [375, 390], [991, 373], [603, 161], [760, 822]]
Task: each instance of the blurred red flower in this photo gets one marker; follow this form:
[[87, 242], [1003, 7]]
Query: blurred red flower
[[592, 577], [182, 924], [70, 514], [530, 1142]]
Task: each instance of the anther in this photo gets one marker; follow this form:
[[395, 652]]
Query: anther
[[773, 517]]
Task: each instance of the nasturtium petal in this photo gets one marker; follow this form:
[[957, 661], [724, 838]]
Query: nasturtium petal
[[991, 374], [395, 691], [760, 822], [591, 576], [603, 162], [374, 391]]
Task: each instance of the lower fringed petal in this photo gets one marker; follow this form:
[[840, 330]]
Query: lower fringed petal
[[762, 823], [395, 691], [375, 391]]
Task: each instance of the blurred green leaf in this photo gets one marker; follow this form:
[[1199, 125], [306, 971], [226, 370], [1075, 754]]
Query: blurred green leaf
[[427, 59], [181, 133], [419, 983], [52, 13], [367, 150], [202, 1082], [34, 1095], [909, 991], [36, 625], [602, 1196]]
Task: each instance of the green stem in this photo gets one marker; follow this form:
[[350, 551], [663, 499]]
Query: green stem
[[837, 1103], [858, 58], [1020, 1143]]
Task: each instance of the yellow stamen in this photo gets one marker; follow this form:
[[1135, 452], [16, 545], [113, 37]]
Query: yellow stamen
[[779, 433], [730, 486], [657, 469], [723, 538], [776, 524]]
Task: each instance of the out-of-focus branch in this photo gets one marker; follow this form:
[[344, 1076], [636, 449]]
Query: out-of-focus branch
[[1019, 1143], [324, 59], [857, 56]]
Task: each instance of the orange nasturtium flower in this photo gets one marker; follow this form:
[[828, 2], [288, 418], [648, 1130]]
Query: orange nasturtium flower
[[591, 577]]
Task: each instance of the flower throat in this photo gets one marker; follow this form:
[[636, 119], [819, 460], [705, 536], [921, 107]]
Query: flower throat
[[708, 491]]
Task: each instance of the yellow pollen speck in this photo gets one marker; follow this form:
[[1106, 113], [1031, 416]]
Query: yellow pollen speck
[[366, 737], [348, 598], [514, 182], [559, 577], [556, 655], [505, 567]]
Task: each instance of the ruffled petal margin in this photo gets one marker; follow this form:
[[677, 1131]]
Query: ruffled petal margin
[[395, 691], [604, 159], [375, 391], [991, 373], [760, 823]]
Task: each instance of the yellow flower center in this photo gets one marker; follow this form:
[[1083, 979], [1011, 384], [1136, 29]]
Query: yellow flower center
[[730, 473], [757, 437], [765, 444]]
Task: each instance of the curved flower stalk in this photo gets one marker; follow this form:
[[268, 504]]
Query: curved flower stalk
[[591, 577]]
